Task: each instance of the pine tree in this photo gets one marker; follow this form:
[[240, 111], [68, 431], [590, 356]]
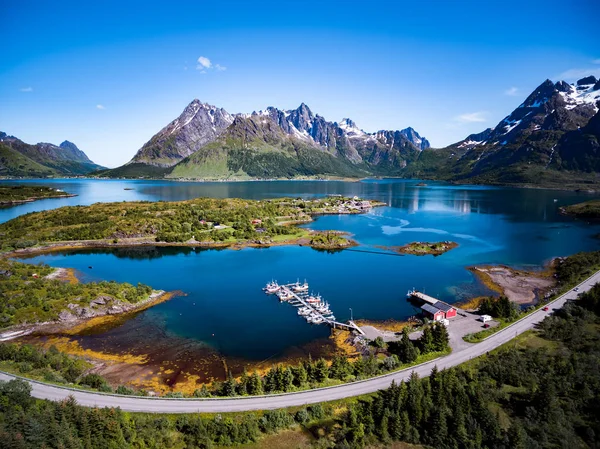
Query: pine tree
[[288, 379], [407, 353], [440, 337], [516, 435], [426, 342], [321, 371], [242, 388], [300, 375], [229, 386], [384, 434], [255, 385]]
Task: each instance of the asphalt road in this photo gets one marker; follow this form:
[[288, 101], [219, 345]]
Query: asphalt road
[[158, 405]]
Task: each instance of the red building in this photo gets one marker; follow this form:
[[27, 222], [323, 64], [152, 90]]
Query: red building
[[432, 312], [449, 311], [438, 311]]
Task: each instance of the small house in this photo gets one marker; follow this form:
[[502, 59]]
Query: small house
[[256, 221], [431, 312], [485, 318], [449, 311]]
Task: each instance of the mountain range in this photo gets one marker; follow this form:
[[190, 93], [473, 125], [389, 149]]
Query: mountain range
[[19, 159], [552, 138], [209, 142]]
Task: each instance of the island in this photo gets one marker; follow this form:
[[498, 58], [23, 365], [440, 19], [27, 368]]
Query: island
[[425, 248], [17, 194], [587, 210], [202, 222]]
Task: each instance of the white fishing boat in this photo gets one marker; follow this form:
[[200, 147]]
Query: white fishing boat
[[300, 288], [303, 311], [323, 308], [313, 299], [317, 319], [284, 294], [272, 287]]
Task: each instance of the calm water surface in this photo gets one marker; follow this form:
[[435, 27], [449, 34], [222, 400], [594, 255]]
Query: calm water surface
[[225, 310]]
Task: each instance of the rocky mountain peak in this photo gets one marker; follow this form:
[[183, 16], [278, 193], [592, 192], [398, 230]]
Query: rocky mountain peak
[[420, 142], [69, 145], [588, 80], [350, 128], [198, 124]]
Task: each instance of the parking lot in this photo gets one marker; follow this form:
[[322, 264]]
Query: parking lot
[[464, 323]]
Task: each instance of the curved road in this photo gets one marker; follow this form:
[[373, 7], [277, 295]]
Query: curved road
[[158, 405]]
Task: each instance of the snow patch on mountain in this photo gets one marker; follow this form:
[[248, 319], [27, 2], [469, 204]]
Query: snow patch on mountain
[[581, 95]]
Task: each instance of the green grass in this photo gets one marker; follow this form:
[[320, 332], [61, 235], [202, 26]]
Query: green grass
[[482, 335]]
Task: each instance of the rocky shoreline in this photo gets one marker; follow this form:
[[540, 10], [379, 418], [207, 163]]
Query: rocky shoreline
[[79, 317], [520, 287]]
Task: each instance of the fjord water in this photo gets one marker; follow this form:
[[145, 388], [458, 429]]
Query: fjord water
[[224, 308]]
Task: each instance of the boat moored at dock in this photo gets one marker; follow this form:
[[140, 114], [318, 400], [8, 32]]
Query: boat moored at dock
[[311, 307], [272, 287]]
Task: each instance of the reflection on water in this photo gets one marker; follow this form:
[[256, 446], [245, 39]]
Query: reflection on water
[[513, 203]]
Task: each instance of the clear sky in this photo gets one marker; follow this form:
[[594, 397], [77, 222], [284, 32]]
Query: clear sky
[[108, 75]]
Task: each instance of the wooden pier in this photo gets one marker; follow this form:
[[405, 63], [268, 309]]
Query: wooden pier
[[301, 299]]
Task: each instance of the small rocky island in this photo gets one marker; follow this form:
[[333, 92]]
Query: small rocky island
[[424, 248], [17, 194]]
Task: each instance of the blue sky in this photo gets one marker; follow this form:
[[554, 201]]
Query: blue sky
[[109, 76]]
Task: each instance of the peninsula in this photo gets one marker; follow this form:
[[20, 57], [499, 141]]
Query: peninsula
[[587, 210], [17, 194]]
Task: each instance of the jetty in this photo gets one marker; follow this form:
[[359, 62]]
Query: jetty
[[311, 307]]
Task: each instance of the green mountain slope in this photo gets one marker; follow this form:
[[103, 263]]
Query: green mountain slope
[[256, 147], [134, 170], [66, 159], [13, 163]]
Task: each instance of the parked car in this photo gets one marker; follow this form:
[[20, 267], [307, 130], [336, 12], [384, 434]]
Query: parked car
[[576, 289], [545, 309], [486, 325]]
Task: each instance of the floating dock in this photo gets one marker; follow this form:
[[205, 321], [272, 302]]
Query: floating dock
[[301, 299]]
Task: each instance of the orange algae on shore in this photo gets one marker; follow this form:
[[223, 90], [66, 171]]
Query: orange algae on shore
[[65, 344], [70, 276], [486, 279], [470, 304], [341, 340], [387, 325]]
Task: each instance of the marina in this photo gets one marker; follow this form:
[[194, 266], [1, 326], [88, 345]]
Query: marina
[[311, 307]]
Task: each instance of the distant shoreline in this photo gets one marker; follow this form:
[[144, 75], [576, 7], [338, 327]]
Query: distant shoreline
[[583, 188]]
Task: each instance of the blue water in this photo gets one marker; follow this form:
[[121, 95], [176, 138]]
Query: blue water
[[224, 308]]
